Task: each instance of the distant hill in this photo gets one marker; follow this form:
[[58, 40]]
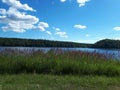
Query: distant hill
[[16, 42], [39, 43], [107, 43]]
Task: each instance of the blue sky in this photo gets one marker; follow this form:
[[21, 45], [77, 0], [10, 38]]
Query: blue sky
[[85, 21]]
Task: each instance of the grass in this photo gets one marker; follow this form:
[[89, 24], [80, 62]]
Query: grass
[[57, 70], [57, 62], [54, 82]]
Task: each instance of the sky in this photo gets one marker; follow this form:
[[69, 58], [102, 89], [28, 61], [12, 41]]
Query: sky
[[84, 21]]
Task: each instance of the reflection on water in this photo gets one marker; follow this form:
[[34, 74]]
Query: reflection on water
[[111, 53]]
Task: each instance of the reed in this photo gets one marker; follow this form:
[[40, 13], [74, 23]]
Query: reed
[[57, 62]]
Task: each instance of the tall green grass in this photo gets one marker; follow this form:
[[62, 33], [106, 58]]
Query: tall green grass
[[58, 62]]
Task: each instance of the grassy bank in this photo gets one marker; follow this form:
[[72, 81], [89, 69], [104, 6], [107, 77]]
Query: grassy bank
[[53, 82], [57, 62]]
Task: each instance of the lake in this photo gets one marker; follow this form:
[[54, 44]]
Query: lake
[[112, 53]]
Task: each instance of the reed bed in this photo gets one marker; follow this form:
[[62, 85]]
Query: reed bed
[[57, 62]]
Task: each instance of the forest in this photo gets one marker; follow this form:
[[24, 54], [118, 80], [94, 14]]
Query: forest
[[105, 43], [39, 43]]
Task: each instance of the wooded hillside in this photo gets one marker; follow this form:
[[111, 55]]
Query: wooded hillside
[[39, 43], [107, 43]]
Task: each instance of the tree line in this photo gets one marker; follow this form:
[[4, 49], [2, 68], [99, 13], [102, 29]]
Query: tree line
[[105, 43], [39, 43]]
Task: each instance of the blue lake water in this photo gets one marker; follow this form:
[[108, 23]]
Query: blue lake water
[[112, 53]]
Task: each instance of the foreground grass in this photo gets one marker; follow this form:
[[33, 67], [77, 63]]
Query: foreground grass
[[57, 62], [57, 70], [53, 82]]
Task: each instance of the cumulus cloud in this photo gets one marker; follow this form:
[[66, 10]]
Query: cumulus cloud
[[43, 25], [17, 26], [2, 11], [16, 4], [62, 0], [19, 21], [117, 28], [16, 20], [56, 29], [12, 14], [78, 26], [60, 33], [82, 2], [48, 32]]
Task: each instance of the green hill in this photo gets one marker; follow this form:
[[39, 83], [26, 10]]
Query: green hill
[[107, 43]]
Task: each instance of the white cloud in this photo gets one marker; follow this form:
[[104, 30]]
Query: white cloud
[[62, 0], [17, 26], [117, 28], [16, 4], [2, 11], [48, 32], [87, 35], [82, 2], [78, 26], [42, 26], [19, 21], [62, 34], [56, 29]]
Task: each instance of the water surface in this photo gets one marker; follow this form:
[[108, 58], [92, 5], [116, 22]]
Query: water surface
[[110, 53]]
